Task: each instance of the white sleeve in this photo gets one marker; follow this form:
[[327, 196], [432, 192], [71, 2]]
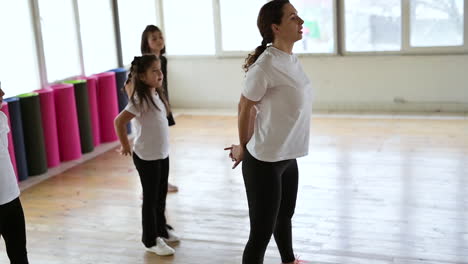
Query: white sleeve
[[255, 84], [132, 109]]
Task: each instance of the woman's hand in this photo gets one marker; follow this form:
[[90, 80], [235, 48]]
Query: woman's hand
[[125, 151], [236, 154]]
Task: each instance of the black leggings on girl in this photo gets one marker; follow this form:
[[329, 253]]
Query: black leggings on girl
[[12, 228], [153, 177], [271, 193]]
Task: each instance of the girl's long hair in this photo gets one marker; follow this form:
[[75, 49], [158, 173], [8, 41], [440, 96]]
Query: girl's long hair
[[141, 95]]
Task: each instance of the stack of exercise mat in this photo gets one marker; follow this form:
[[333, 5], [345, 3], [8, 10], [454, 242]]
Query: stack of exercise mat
[[63, 121]]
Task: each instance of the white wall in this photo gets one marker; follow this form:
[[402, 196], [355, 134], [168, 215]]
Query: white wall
[[371, 83]]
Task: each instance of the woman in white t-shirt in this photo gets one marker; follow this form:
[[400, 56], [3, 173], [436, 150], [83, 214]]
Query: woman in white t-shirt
[[149, 108], [12, 224], [274, 120]]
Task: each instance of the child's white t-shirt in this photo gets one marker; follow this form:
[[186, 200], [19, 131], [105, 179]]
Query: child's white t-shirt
[[151, 130], [8, 185], [284, 92]]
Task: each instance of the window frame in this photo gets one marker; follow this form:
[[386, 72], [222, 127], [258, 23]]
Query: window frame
[[40, 43], [406, 48], [340, 38], [116, 47], [220, 53], [339, 35]]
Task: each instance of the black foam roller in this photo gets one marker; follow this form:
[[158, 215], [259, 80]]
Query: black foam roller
[[36, 155], [84, 115]]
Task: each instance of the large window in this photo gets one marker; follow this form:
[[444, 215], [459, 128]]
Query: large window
[[373, 25], [366, 26], [319, 26], [404, 26], [240, 32], [19, 71], [63, 48], [60, 38], [98, 35], [133, 20], [189, 27], [436, 23]]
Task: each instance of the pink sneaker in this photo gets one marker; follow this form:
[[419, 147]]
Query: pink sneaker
[[298, 261]]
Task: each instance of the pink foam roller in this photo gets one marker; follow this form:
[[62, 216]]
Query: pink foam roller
[[107, 105], [11, 147], [49, 126], [67, 122], [93, 109]]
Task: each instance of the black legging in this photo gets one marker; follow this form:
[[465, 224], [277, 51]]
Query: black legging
[[153, 177], [271, 193], [12, 228]]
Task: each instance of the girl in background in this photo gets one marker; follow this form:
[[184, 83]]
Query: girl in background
[[152, 42], [149, 108]]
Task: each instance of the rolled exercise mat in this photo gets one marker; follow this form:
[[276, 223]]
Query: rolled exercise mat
[[14, 109], [11, 147], [93, 109], [36, 155], [107, 105], [120, 78], [49, 126], [67, 122], [84, 117]]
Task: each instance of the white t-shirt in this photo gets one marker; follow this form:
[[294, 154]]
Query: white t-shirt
[[152, 131], [284, 92], [8, 185]]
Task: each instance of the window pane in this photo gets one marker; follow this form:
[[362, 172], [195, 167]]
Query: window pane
[[373, 25], [97, 35], [318, 28], [19, 71], [131, 25], [189, 27], [436, 23], [60, 39], [240, 33]]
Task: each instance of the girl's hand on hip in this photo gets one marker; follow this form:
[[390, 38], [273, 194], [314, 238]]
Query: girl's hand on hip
[[125, 151]]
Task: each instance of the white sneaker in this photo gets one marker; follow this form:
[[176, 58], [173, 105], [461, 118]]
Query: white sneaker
[[161, 248], [173, 237]]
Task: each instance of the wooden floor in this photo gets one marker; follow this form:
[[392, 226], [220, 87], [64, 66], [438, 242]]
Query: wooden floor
[[372, 190]]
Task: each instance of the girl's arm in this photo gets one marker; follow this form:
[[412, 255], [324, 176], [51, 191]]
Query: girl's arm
[[120, 124]]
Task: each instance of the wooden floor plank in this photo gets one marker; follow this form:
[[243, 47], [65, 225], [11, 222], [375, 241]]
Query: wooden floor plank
[[380, 191]]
